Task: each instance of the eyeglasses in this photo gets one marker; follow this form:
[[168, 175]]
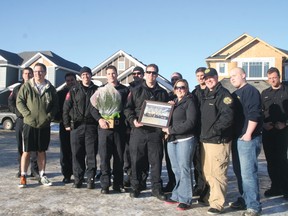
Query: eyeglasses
[[152, 72], [179, 87], [40, 72], [136, 73]]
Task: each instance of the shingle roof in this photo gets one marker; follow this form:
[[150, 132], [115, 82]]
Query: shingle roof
[[12, 58]]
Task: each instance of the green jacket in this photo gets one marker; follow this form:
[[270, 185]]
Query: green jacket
[[37, 110]]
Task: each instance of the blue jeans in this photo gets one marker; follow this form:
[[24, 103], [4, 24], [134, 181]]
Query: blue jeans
[[181, 157], [245, 165]]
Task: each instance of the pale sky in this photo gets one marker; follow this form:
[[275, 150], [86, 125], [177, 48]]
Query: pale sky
[[176, 35]]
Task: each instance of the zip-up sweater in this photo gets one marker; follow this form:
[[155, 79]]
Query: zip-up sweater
[[37, 110]]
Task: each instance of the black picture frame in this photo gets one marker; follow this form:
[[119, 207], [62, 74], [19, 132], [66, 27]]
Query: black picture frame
[[156, 114]]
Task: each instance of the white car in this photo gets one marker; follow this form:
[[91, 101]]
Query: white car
[[7, 119]]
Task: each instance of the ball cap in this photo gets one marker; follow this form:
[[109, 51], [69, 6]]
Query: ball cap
[[85, 69], [210, 72]]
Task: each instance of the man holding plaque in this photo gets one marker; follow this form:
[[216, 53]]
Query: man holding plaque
[[145, 141]]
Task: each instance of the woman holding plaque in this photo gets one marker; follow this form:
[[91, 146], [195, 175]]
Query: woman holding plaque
[[181, 144]]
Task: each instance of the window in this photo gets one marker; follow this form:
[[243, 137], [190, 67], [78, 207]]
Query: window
[[121, 65], [222, 69], [256, 68]]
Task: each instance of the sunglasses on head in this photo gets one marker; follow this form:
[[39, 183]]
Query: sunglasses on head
[[180, 87], [152, 72], [136, 73]]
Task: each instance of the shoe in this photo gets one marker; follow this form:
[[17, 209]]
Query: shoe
[[134, 193], [239, 204], [271, 193], [45, 181], [170, 201], [250, 212], [90, 185], [127, 182], [66, 180], [183, 207], [159, 195], [105, 191], [169, 187], [22, 183], [119, 189], [202, 202], [77, 184], [214, 211]]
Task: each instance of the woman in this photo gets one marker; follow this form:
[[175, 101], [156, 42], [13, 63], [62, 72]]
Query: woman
[[181, 144]]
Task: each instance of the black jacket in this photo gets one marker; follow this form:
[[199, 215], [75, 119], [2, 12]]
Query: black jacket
[[12, 101], [77, 107], [216, 116], [184, 119], [138, 96], [61, 98]]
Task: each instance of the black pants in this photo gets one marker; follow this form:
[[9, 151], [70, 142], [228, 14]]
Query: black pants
[[111, 143], [84, 144], [65, 152], [198, 168], [275, 149], [171, 176], [33, 155], [146, 145]]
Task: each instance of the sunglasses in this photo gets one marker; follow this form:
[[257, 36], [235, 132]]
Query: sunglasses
[[179, 87], [136, 73], [152, 72]]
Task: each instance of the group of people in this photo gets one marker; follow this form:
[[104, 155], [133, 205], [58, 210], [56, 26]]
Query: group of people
[[205, 125]]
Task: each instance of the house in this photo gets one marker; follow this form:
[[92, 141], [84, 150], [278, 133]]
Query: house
[[254, 55], [125, 64], [12, 64]]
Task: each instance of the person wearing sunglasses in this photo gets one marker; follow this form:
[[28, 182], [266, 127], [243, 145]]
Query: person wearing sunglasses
[[137, 75], [145, 143], [182, 143]]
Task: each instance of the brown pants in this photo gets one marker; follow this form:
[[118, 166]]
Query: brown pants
[[215, 160]]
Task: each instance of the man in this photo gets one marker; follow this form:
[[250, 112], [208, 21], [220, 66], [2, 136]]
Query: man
[[112, 140], [246, 144], [145, 142], [275, 133], [138, 75], [37, 101], [27, 74], [171, 177], [200, 188], [216, 136], [79, 118], [65, 146]]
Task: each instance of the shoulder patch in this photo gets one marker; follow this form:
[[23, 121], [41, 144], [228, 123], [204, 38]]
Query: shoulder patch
[[227, 100], [67, 96]]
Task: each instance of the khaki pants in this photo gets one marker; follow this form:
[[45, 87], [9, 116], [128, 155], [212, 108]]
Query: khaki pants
[[215, 160]]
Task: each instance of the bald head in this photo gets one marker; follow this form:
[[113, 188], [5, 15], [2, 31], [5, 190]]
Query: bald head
[[238, 77]]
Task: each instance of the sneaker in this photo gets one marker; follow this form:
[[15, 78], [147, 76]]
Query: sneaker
[[271, 193], [170, 201], [214, 211], [250, 212], [45, 181], [239, 204], [183, 207], [22, 183]]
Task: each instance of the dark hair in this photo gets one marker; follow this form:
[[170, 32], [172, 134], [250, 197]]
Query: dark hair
[[70, 74], [273, 70], [111, 67], [178, 74], [200, 69], [154, 66], [41, 65], [29, 69]]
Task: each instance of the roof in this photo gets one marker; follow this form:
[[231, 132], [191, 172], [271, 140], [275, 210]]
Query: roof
[[11, 58], [56, 59], [258, 84]]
